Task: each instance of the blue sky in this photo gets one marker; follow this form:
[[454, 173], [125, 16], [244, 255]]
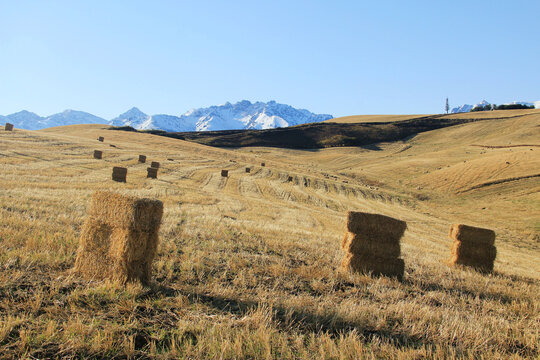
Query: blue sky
[[337, 57]]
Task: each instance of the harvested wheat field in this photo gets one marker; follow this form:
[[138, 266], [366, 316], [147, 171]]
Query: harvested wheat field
[[247, 266]]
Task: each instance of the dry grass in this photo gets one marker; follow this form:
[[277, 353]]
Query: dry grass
[[246, 266]]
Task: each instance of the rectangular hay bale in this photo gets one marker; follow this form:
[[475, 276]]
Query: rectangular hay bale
[[225, 173], [376, 225], [155, 164], [101, 138], [119, 174], [126, 211], [483, 253], [151, 173], [98, 154], [263, 164], [8, 127], [248, 170], [142, 158], [392, 267], [471, 234], [359, 244], [119, 239]]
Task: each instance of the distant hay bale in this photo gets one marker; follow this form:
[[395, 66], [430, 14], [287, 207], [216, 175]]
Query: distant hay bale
[[372, 244], [263, 164], [119, 239], [155, 164], [225, 173], [289, 178], [101, 138], [8, 127], [170, 159], [111, 145], [98, 154], [119, 174], [151, 173], [472, 247], [248, 170], [142, 159]]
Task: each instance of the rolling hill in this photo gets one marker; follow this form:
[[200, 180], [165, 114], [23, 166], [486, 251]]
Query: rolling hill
[[247, 265]]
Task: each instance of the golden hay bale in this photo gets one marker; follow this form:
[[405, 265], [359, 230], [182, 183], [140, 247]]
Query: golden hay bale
[[119, 239], [98, 154], [101, 138], [155, 164], [142, 158], [482, 265], [248, 170], [393, 267], [468, 250], [119, 174], [471, 234], [360, 244], [225, 173], [263, 164], [151, 173], [126, 211], [376, 225], [8, 127]]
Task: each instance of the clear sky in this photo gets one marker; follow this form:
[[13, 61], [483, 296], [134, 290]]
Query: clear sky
[[336, 57]]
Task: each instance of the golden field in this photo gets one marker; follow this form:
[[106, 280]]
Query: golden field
[[248, 266]]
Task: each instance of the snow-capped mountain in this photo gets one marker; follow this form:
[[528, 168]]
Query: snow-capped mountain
[[73, 117], [242, 115], [467, 107], [31, 121]]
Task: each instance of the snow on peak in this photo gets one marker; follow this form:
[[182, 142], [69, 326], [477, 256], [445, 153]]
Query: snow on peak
[[241, 115], [133, 117]]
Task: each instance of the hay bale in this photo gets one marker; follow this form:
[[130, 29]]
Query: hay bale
[[98, 154], [361, 244], [289, 178], [372, 244], [142, 159], [481, 265], [472, 247], [225, 173], [263, 164], [119, 174], [392, 267], [151, 173], [471, 234], [377, 225], [8, 127], [467, 250], [119, 239], [155, 164], [248, 170], [101, 138]]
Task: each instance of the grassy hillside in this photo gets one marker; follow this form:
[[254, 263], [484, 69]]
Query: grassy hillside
[[344, 132], [248, 265]]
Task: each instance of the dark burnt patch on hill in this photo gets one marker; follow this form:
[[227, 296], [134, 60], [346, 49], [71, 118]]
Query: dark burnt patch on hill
[[317, 135]]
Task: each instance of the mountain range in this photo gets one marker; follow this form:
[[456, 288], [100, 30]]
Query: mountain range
[[241, 115]]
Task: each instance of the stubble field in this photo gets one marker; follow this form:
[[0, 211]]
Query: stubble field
[[248, 266]]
